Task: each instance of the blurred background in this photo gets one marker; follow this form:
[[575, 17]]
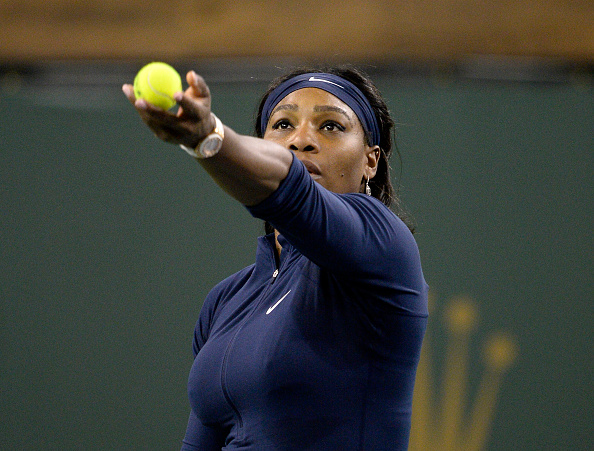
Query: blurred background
[[110, 239]]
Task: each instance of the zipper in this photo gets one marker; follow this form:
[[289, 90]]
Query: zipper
[[228, 351]]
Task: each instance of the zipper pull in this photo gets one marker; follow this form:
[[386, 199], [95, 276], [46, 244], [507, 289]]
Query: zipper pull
[[274, 274]]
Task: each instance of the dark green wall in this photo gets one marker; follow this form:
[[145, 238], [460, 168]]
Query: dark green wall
[[111, 239]]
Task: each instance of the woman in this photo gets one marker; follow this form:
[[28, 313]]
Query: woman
[[315, 345]]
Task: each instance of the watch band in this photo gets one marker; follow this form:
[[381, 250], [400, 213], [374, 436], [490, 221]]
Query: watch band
[[210, 144]]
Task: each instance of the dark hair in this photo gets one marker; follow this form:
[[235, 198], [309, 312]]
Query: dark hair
[[381, 184]]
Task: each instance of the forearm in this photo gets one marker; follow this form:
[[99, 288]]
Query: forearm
[[248, 168]]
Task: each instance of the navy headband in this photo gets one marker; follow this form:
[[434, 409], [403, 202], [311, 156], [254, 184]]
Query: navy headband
[[335, 85]]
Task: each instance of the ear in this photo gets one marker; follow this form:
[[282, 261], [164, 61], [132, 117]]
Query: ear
[[372, 157]]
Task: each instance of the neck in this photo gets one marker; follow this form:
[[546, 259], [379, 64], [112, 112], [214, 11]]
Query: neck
[[279, 248]]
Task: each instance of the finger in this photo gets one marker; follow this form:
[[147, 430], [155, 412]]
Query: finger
[[129, 93], [156, 117], [174, 123], [164, 128], [192, 107], [198, 91], [197, 85], [168, 134], [140, 104], [164, 124]]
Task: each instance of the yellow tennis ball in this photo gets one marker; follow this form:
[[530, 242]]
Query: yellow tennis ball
[[156, 83]]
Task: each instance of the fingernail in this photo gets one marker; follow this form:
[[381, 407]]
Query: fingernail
[[178, 96], [141, 103]]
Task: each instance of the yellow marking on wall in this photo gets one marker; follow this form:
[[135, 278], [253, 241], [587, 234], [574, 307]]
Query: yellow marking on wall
[[440, 424]]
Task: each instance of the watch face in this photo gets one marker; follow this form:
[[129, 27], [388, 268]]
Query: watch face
[[211, 146]]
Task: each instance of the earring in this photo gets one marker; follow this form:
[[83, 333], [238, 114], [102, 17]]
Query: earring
[[367, 188]]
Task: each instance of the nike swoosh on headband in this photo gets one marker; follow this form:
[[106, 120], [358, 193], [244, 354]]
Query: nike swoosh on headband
[[325, 81]]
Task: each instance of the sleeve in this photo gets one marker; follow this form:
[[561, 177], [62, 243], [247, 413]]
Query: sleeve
[[200, 437], [353, 235], [205, 320]]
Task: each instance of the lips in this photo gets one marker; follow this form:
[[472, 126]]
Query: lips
[[312, 168]]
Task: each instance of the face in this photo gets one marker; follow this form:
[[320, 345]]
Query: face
[[327, 136]]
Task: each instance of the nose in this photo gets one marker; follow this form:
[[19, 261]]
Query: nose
[[302, 140]]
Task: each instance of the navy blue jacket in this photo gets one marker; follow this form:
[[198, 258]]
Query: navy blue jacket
[[317, 351]]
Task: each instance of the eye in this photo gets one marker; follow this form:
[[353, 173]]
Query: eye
[[282, 124], [332, 126]]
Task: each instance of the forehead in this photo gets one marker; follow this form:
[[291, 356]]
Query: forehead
[[312, 97]]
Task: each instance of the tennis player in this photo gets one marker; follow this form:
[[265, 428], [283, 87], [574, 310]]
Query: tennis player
[[314, 346]]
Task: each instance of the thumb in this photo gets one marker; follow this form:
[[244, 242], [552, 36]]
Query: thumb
[[197, 85], [195, 101]]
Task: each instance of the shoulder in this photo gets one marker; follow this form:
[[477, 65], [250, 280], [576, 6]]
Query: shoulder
[[226, 289], [390, 260], [379, 227], [213, 303]]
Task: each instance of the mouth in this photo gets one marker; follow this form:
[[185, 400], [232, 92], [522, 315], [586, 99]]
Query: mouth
[[312, 168]]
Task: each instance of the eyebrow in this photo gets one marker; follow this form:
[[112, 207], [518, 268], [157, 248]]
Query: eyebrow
[[286, 106], [317, 109]]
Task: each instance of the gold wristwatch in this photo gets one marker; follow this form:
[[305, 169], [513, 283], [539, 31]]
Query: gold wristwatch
[[211, 144]]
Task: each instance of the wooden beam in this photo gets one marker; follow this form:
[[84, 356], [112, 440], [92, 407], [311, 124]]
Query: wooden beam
[[371, 30]]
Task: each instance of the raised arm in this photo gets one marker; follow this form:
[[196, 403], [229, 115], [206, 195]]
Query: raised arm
[[247, 168]]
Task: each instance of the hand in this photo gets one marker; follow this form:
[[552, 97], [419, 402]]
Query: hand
[[192, 121]]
